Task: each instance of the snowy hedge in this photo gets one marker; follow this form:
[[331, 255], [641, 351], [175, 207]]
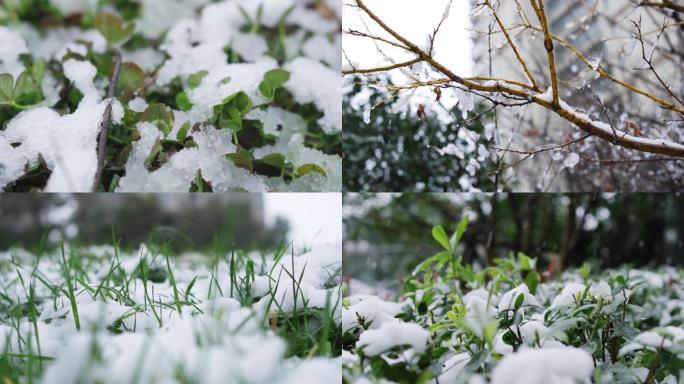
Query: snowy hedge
[[455, 323], [99, 315], [194, 95]]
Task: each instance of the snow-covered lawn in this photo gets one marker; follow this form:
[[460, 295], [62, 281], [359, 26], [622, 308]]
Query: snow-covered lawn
[[98, 315], [228, 95], [453, 323]]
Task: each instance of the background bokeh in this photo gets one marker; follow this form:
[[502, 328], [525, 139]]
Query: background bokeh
[[187, 221], [387, 235]]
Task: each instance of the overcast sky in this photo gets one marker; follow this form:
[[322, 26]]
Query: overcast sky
[[415, 20], [315, 218]]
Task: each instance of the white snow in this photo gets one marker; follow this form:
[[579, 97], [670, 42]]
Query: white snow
[[311, 81], [391, 335], [601, 290], [664, 337], [541, 366], [218, 340], [68, 7], [509, 298], [82, 73], [372, 310], [195, 34], [66, 143], [569, 295], [452, 149], [13, 45], [452, 367], [571, 160], [178, 174]]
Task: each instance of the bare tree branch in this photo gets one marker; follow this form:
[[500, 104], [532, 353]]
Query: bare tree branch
[[554, 104]]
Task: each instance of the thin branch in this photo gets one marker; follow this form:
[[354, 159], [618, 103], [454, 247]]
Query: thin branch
[[374, 37], [663, 4], [649, 60], [605, 74], [382, 69], [538, 6], [522, 62], [107, 119], [547, 149]]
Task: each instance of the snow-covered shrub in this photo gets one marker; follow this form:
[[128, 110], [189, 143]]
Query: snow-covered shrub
[[459, 323], [100, 315], [192, 95]]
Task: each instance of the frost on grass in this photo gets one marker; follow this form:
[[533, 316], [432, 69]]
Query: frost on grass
[[459, 323], [213, 96], [148, 317]]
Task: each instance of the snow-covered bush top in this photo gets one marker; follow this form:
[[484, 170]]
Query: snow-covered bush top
[[232, 95], [98, 315], [457, 323]]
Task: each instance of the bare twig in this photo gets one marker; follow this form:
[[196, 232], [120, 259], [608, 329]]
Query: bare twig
[[663, 4], [538, 6], [107, 119], [649, 60], [522, 62], [382, 69], [547, 149]]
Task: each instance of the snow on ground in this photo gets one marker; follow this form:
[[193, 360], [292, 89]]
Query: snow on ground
[[189, 38], [576, 328], [203, 322]]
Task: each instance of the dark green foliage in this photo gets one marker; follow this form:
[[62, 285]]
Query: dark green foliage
[[640, 228], [398, 152]]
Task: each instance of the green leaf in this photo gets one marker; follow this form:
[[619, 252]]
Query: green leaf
[[519, 301], [532, 281], [38, 70], [26, 91], [156, 149], [273, 80], [112, 28], [460, 229], [183, 101], [308, 168], [526, 263], [242, 160], [195, 79], [160, 115], [240, 101], [440, 236], [131, 79], [274, 159], [230, 112], [183, 132], [584, 271], [6, 87]]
